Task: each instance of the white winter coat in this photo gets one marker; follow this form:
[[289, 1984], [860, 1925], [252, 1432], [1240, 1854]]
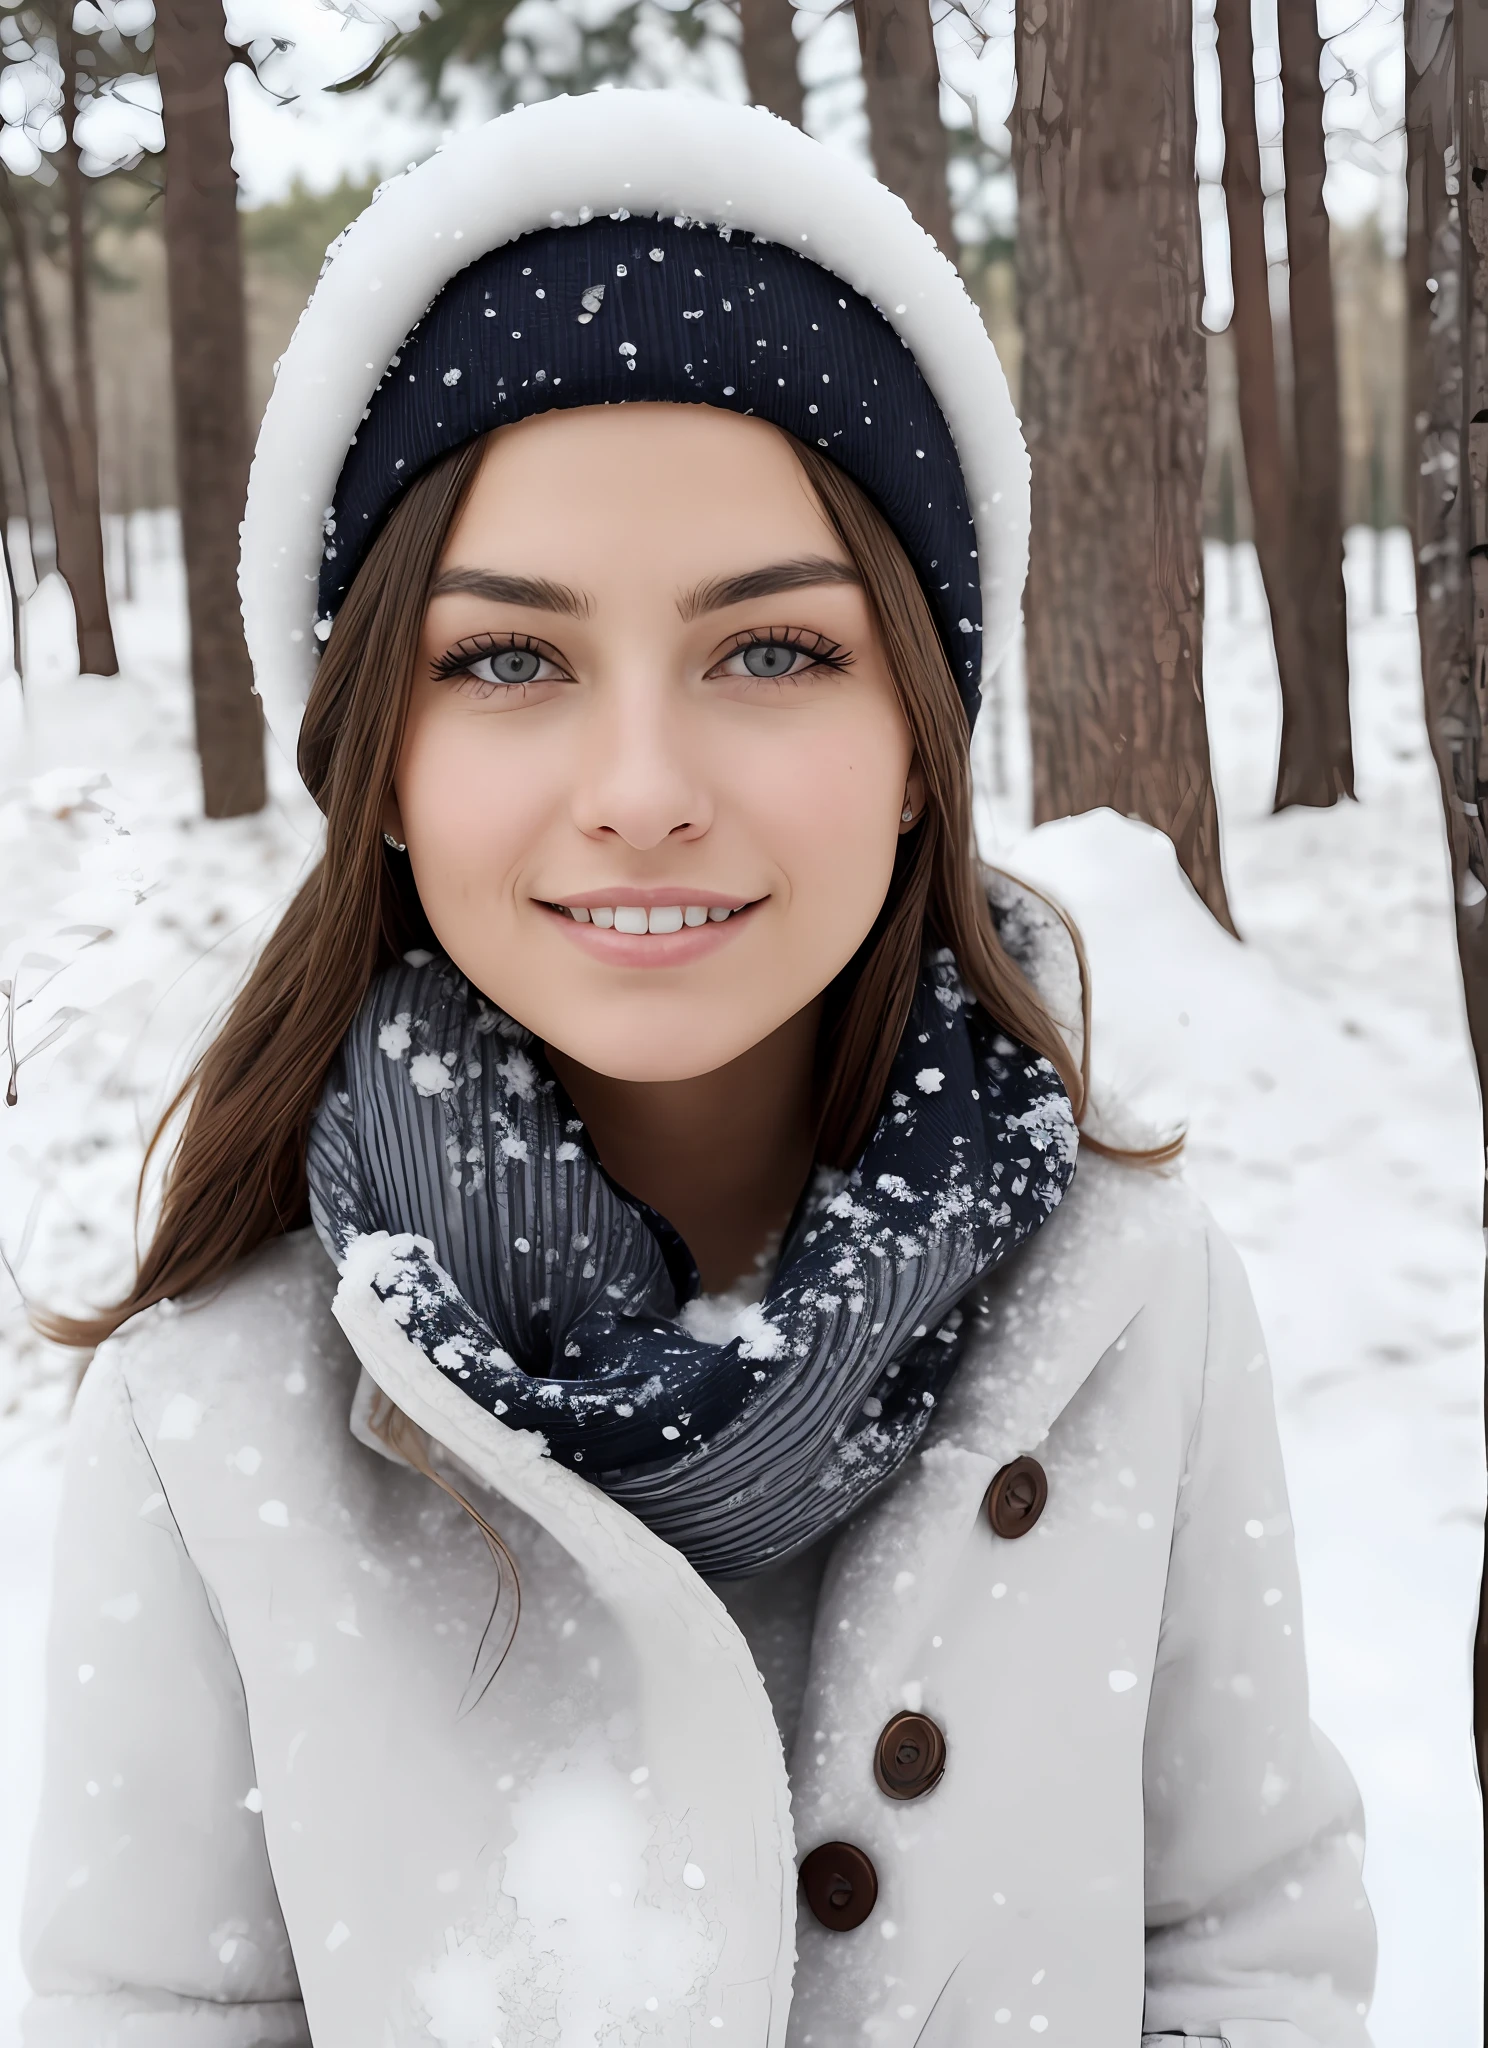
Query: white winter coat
[[272, 1813]]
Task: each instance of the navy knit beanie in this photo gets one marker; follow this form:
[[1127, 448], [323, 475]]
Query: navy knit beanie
[[633, 308]]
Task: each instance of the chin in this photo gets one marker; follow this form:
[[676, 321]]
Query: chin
[[650, 1064], [646, 1054]]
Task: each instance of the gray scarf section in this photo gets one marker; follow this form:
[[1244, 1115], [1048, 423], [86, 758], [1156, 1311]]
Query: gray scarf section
[[564, 1306]]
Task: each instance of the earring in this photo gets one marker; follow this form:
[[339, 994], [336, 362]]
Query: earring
[[398, 845], [906, 816]]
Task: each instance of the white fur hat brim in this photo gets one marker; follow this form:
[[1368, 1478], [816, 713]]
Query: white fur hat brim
[[562, 162]]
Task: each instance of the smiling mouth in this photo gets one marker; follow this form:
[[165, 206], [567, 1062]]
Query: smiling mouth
[[636, 920]]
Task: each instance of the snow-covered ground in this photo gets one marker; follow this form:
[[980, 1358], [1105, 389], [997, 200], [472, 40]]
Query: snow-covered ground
[[1322, 1070]]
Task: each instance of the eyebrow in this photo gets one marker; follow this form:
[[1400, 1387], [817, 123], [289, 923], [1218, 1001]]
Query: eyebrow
[[536, 592], [801, 574]]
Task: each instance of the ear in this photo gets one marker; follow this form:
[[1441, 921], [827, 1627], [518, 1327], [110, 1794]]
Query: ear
[[914, 800], [392, 817]]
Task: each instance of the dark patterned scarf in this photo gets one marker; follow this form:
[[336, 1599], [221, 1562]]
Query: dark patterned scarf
[[449, 1163]]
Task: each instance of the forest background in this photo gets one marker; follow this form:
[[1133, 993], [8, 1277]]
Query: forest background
[[297, 198]]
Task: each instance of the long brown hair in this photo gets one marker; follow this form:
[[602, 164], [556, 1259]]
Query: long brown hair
[[237, 1174]]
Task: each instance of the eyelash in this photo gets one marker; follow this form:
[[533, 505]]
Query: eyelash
[[458, 660], [824, 653]]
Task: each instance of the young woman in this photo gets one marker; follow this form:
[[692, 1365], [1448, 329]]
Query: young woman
[[737, 1540]]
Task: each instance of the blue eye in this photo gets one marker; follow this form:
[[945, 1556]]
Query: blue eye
[[508, 665], [785, 654], [770, 658], [512, 666]]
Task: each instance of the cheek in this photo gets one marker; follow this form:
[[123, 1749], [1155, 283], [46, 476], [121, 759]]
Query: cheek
[[830, 804], [466, 817]]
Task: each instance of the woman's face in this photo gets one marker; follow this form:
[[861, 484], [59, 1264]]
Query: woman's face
[[654, 766]]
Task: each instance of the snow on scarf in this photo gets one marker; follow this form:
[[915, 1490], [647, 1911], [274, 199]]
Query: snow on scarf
[[562, 1305]]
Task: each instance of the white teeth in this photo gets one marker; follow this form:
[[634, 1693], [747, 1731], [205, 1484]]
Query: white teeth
[[667, 917]]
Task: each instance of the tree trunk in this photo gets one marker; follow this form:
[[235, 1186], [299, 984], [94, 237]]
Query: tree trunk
[[1114, 398], [901, 82], [1464, 720], [1255, 350], [90, 598], [17, 655], [13, 418], [768, 48], [78, 542], [16, 649], [208, 322], [1316, 764], [1446, 86]]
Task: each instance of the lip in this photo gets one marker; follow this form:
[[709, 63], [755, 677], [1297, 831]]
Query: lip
[[654, 898], [652, 949]]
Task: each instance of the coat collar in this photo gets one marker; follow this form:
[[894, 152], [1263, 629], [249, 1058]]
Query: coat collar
[[1039, 1330], [1040, 1326], [717, 1768], [1045, 1317]]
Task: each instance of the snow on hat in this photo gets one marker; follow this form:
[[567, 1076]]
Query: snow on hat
[[633, 307], [324, 455]]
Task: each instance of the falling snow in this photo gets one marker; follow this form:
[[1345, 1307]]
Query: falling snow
[[1322, 1068]]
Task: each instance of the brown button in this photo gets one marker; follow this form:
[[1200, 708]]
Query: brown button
[[841, 1885], [910, 1757], [1016, 1497]]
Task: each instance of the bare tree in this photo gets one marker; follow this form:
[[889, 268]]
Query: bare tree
[[204, 274], [1255, 348], [901, 82], [1316, 764], [14, 502], [1446, 77], [76, 528], [12, 587], [90, 601], [66, 397], [1114, 395], [32, 488], [768, 48]]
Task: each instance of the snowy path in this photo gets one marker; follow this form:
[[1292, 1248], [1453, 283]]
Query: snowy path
[[1322, 1070]]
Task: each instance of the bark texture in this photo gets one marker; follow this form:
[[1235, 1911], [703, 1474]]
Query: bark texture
[[1255, 347], [1113, 401], [18, 652], [76, 530], [95, 630], [1465, 721], [768, 48], [901, 83], [32, 489], [1446, 80], [204, 275], [1316, 764]]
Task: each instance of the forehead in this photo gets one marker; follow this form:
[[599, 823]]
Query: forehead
[[660, 490]]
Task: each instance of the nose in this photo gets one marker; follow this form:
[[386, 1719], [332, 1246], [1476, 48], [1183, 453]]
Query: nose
[[641, 775]]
